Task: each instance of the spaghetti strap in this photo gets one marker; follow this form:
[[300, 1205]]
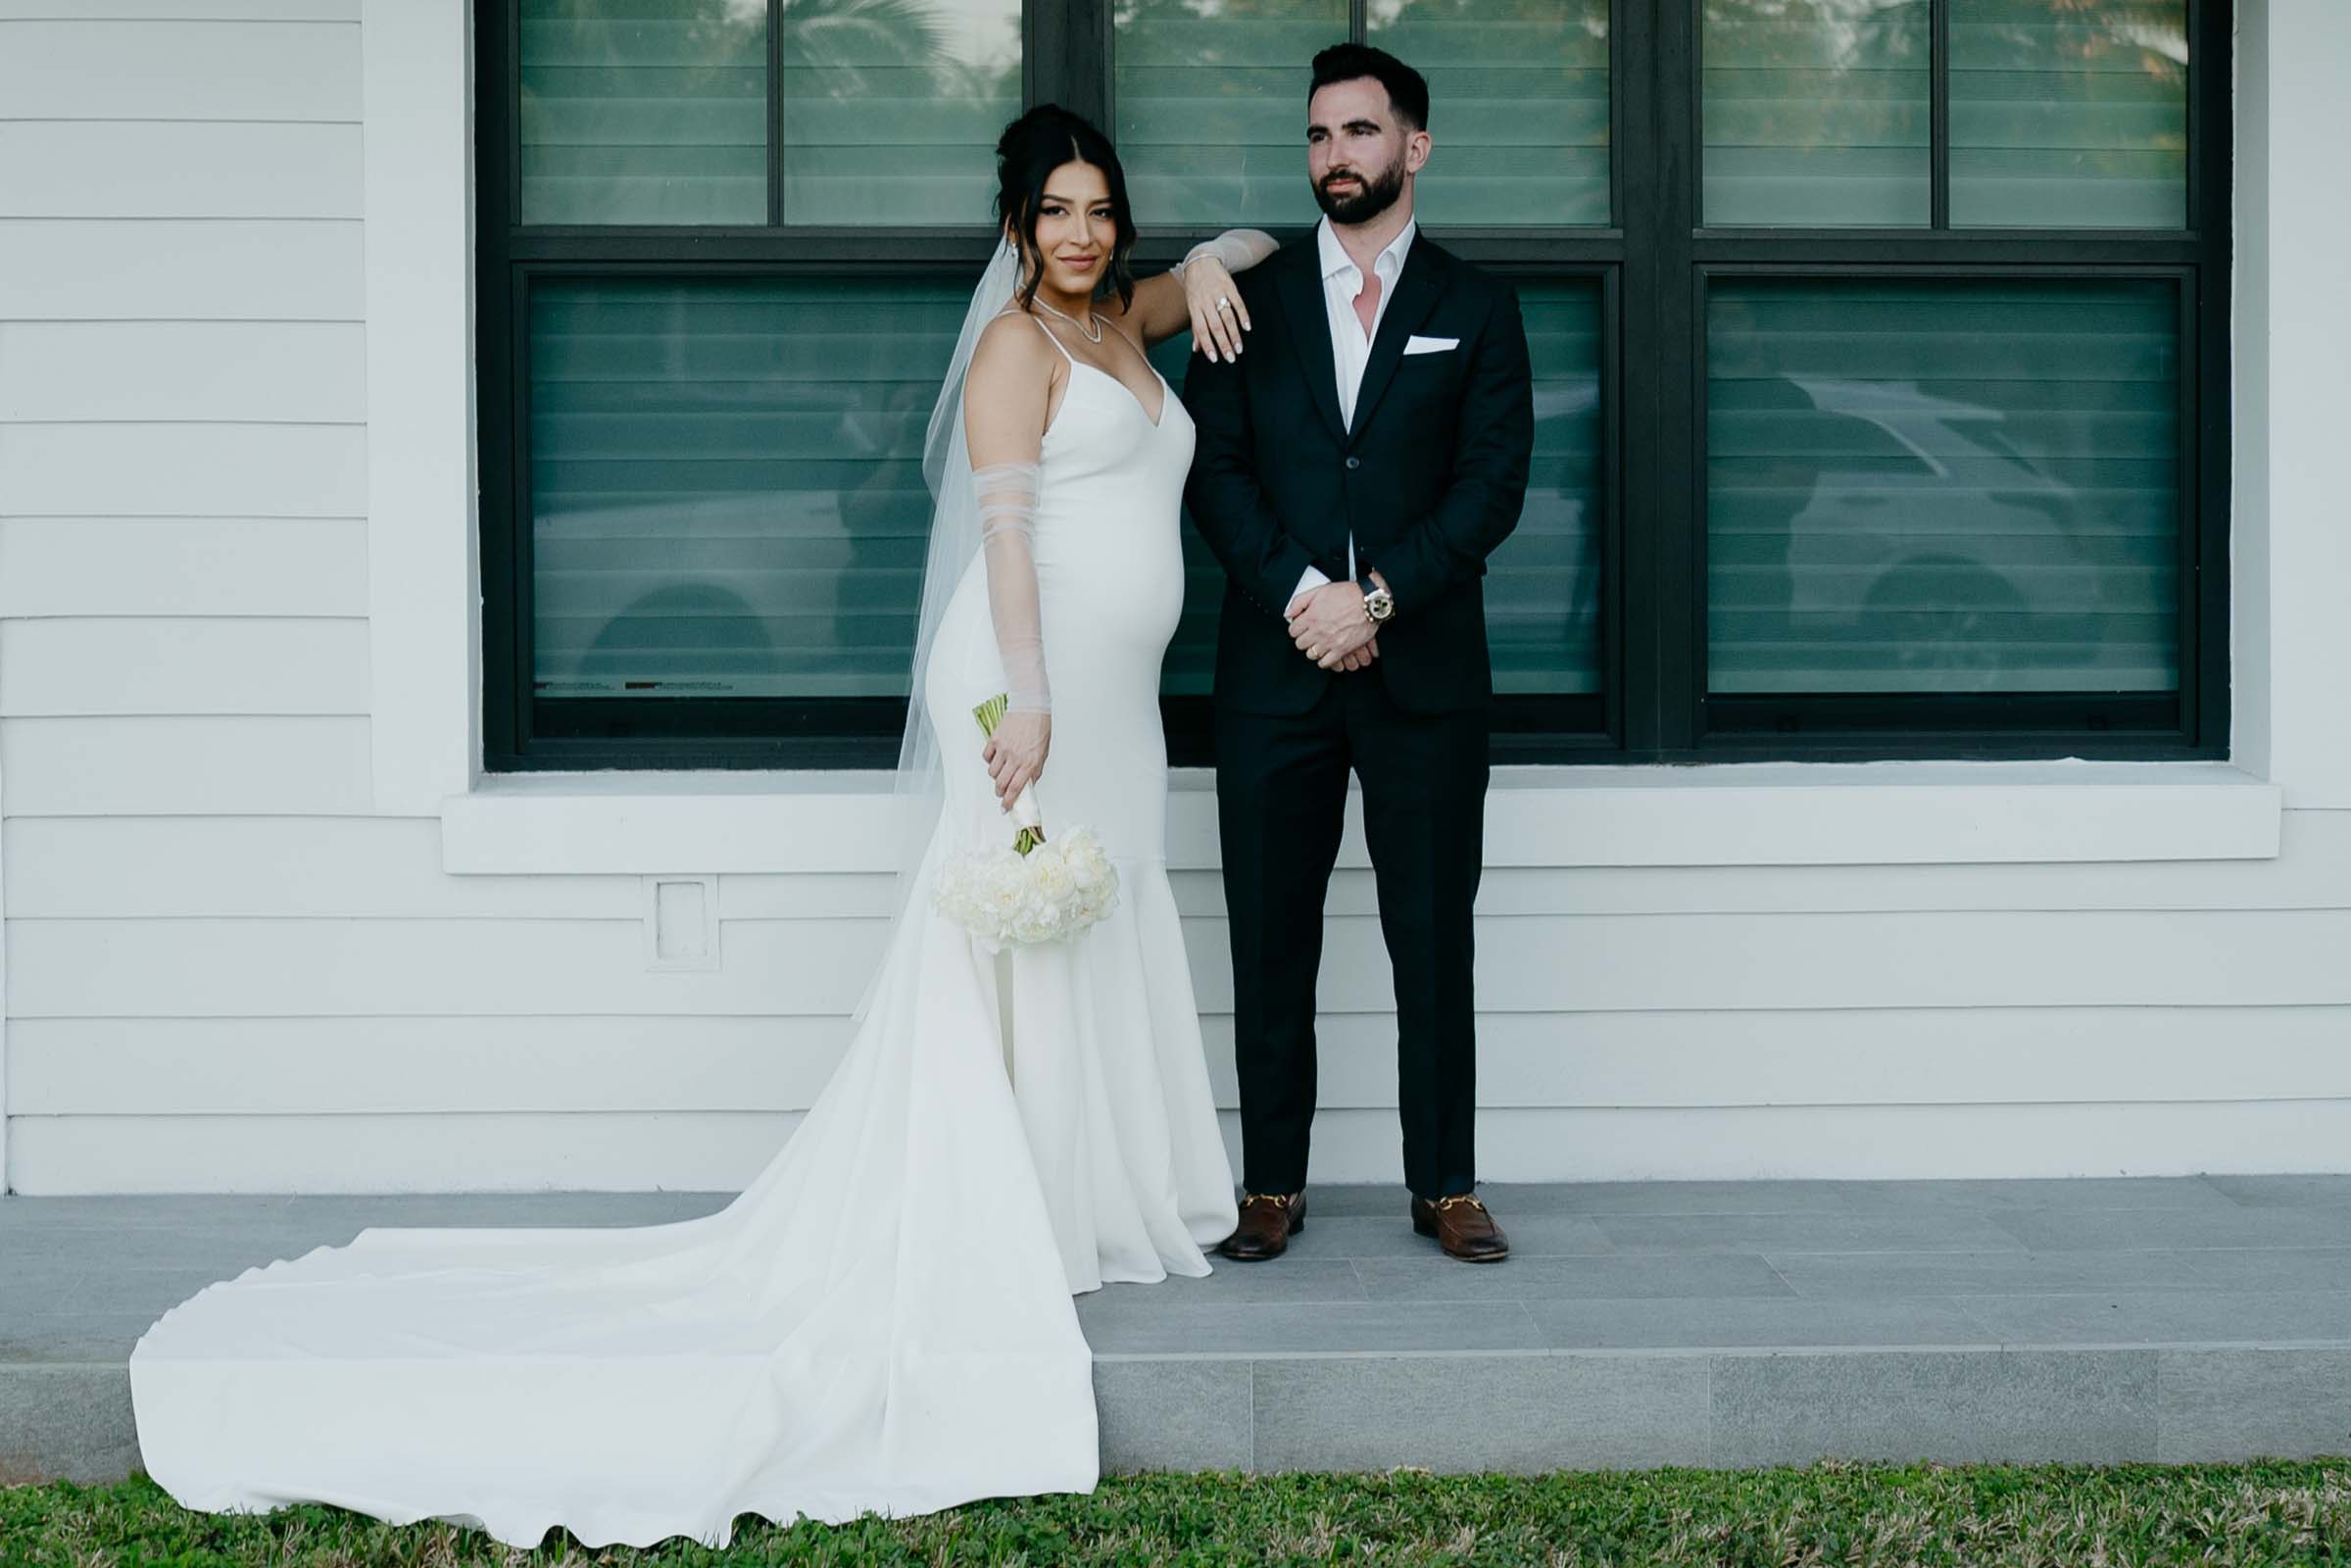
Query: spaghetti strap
[[1013, 309]]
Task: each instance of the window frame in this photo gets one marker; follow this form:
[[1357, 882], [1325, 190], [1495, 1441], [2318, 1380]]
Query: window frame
[[1651, 264], [1692, 724]]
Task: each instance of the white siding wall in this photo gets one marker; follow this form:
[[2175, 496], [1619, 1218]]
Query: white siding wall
[[225, 972]]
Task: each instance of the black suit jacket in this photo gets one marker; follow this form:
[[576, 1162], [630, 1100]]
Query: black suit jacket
[[1430, 479]]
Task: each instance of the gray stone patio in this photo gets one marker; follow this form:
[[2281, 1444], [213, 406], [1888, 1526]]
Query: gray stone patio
[[1716, 1323]]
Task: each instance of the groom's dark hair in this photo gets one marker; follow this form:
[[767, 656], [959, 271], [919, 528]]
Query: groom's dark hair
[[1028, 152], [1407, 88]]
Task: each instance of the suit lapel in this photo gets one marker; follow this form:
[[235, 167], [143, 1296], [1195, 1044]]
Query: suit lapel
[[1416, 291], [1310, 333]]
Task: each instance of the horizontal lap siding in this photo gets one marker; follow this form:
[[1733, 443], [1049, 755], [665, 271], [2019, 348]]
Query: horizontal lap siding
[[720, 1150], [215, 968], [310, 1002], [311, 1063], [226, 973], [182, 490]]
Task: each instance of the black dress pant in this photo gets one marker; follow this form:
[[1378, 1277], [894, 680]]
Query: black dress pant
[[1281, 795]]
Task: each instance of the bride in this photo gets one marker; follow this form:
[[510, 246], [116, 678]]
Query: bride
[[882, 1320]]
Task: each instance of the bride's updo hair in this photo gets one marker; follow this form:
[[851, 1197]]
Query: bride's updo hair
[[1031, 148]]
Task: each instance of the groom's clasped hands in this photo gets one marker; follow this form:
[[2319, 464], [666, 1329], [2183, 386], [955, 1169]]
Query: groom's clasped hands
[[1330, 628], [1327, 623]]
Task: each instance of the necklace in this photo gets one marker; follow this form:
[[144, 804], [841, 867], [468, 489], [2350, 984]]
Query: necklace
[[1095, 336]]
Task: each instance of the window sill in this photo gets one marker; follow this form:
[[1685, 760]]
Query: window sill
[[1765, 813]]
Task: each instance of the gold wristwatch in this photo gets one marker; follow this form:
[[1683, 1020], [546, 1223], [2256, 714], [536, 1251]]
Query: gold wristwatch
[[1377, 603]]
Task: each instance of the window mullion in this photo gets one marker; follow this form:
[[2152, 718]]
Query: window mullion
[[776, 111], [1065, 54], [497, 183], [2211, 154], [1665, 558], [1938, 114]]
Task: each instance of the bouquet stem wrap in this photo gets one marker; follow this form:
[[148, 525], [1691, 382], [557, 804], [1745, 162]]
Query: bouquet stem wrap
[[1025, 814], [1032, 891]]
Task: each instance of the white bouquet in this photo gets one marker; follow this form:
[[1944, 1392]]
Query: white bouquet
[[1028, 891]]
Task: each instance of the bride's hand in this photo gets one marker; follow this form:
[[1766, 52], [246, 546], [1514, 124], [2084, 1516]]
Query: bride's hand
[[1015, 754], [1218, 314]]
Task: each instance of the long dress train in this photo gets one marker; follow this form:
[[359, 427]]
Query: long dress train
[[882, 1319]]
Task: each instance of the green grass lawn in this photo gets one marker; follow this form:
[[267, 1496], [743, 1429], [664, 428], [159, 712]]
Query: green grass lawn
[[1829, 1513]]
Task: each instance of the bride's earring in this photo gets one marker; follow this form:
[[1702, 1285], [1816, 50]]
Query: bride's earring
[[1031, 266]]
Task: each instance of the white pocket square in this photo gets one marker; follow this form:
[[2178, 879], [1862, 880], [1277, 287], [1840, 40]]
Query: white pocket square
[[1430, 345]]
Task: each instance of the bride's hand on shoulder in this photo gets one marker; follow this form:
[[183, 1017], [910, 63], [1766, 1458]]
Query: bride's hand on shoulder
[[1015, 752], [1219, 314]]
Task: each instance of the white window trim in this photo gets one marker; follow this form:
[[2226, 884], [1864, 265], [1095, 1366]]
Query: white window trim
[[423, 520], [2288, 578], [1769, 813]]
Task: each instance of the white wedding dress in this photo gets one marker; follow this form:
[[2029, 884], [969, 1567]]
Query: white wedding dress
[[882, 1320]]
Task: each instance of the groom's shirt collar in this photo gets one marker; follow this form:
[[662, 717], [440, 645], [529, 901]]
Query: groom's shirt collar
[[1388, 265]]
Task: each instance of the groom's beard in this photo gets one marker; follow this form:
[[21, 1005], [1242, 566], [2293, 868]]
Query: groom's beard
[[1371, 198]]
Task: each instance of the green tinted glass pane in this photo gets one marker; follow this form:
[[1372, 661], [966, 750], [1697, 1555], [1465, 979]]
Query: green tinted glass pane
[[1542, 585], [1191, 665], [1938, 486], [2069, 113], [725, 483], [1518, 107], [1211, 107], [643, 112], [1817, 112], [892, 107]]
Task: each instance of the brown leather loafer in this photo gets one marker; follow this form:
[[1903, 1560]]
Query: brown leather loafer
[[1266, 1221], [1462, 1227]]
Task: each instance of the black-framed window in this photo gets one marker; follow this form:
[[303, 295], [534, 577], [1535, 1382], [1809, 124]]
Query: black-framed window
[[1880, 353]]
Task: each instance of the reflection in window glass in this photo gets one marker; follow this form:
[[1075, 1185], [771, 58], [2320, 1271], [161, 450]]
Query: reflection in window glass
[[1518, 100], [1542, 585], [642, 112], [1191, 665], [892, 107], [1816, 112], [2069, 115], [655, 110], [726, 486], [1211, 107], [1933, 487]]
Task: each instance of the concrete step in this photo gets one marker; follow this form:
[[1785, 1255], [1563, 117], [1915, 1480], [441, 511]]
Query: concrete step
[[1637, 1324]]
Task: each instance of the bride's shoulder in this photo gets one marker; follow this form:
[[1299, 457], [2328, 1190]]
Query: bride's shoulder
[[1012, 344], [1012, 353]]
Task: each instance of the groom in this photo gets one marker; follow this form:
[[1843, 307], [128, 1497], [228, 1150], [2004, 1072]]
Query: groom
[[1354, 467]]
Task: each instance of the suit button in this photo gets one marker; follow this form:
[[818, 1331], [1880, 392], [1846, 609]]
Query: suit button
[[1354, 463]]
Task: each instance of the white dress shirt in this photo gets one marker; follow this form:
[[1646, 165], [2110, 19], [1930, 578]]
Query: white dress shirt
[[1350, 345]]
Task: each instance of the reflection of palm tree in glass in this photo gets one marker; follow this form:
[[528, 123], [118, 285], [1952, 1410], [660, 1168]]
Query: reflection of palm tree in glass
[[1210, 106], [841, 41], [631, 119], [2071, 113], [1835, 94], [891, 108], [1816, 111]]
